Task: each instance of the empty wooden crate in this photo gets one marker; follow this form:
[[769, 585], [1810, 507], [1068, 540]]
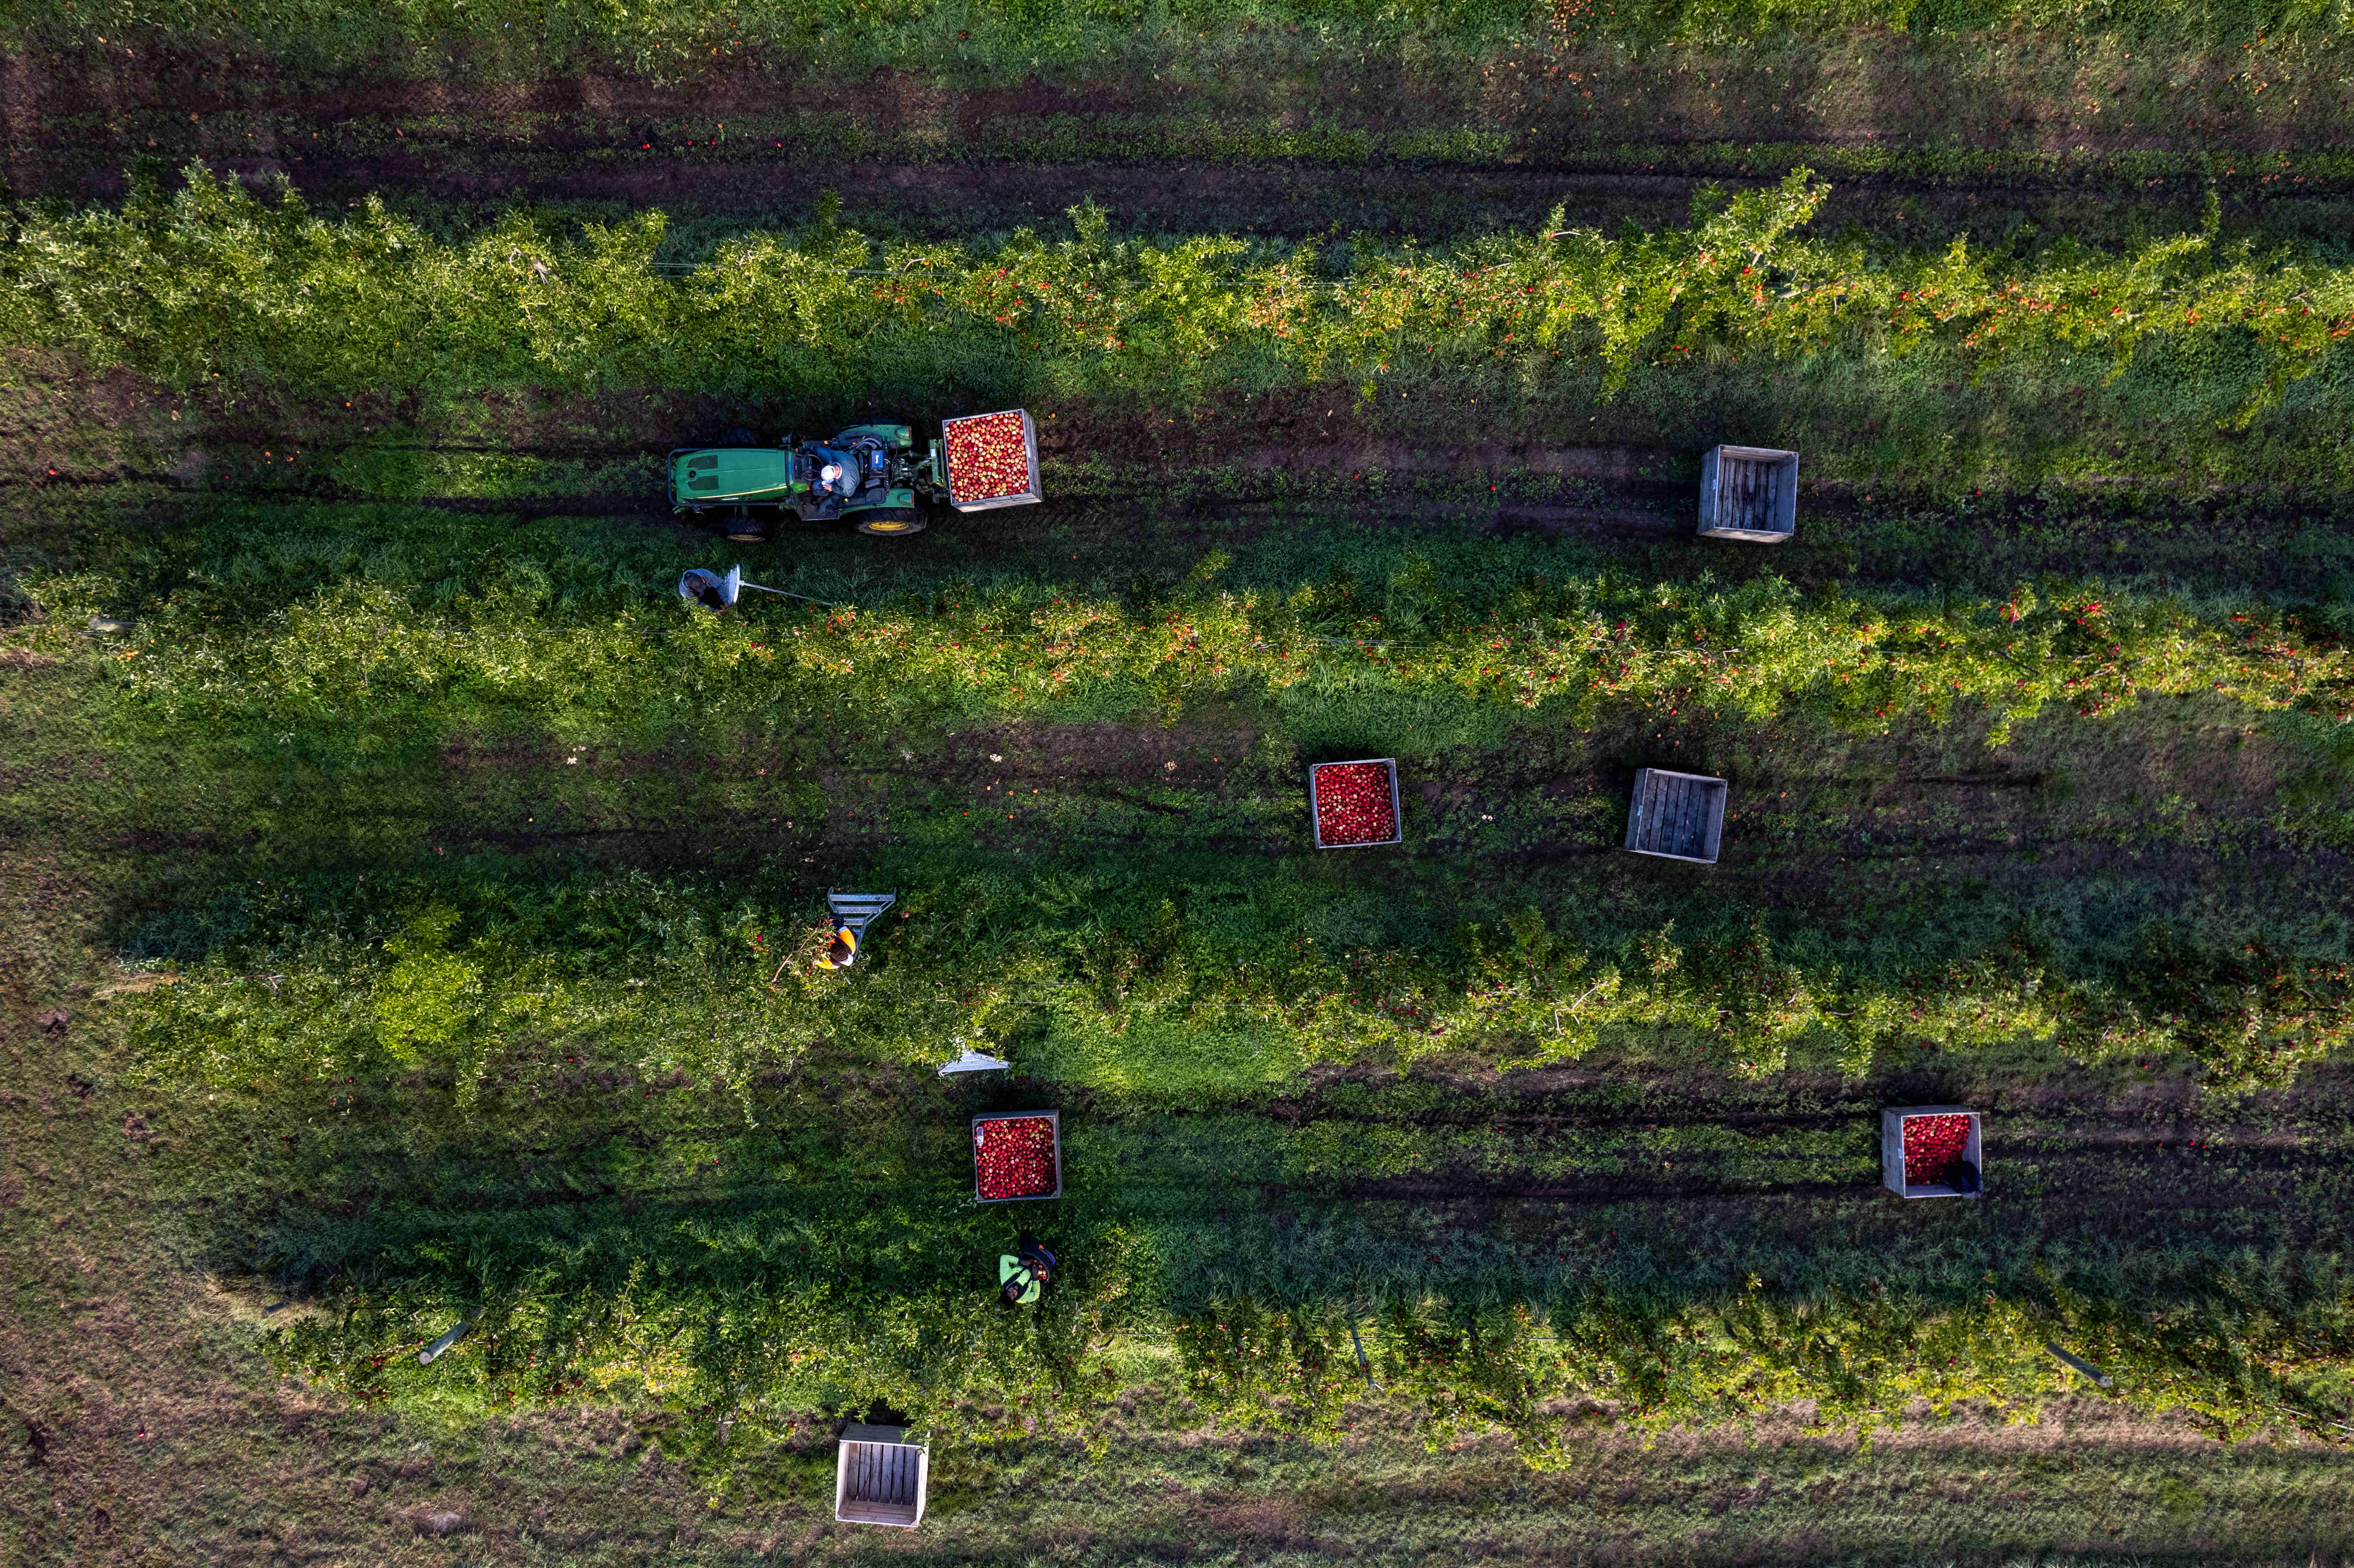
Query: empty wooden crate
[[1678, 816], [879, 1477], [1749, 492]]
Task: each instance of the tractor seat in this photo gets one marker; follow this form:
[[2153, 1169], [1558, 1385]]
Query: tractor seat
[[868, 473]]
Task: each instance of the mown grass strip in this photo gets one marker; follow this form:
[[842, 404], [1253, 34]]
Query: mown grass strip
[[675, 40], [801, 135]]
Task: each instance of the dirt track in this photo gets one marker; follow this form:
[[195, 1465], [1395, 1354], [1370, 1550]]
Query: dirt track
[[757, 142]]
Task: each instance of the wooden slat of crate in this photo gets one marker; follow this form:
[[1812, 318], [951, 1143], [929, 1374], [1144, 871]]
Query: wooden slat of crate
[[1670, 816], [1677, 829], [1746, 494]]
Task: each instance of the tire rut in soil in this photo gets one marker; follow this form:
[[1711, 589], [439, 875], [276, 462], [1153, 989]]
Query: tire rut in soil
[[76, 118], [1283, 202]]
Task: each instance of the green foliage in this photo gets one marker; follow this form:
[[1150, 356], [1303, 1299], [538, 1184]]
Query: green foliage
[[425, 999], [216, 282], [414, 636], [758, 1354], [735, 1002], [617, 1122], [1860, 1358]]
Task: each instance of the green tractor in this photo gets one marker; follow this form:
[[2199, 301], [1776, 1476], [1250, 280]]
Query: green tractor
[[874, 477]]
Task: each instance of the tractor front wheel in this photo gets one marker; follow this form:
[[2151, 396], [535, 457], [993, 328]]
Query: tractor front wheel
[[891, 522]]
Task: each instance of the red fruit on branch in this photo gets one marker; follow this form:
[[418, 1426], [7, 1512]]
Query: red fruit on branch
[[1933, 1146], [1015, 1158], [1353, 804], [988, 456]]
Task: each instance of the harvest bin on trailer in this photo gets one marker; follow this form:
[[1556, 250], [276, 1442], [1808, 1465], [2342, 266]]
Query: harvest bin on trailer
[[880, 1477], [1335, 838], [1053, 1120], [962, 484], [1893, 1174], [1749, 492], [1677, 816]]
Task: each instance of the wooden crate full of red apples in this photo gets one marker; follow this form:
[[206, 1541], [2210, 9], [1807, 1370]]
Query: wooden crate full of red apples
[[992, 459], [1017, 1155], [1931, 1151], [1354, 805]]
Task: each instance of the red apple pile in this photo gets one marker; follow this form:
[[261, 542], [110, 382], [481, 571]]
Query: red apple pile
[[1015, 1158], [1352, 804], [987, 457], [1934, 1145]]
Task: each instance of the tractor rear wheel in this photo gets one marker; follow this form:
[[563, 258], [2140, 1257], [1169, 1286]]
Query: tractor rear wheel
[[891, 522]]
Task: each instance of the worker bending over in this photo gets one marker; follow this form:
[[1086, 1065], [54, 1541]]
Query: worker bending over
[[1023, 1274]]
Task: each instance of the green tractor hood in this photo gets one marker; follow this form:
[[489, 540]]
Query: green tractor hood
[[732, 474]]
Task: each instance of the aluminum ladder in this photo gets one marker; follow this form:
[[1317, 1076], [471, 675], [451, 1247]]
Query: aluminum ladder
[[852, 911]]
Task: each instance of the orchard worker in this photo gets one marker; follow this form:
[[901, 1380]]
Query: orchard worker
[[709, 590], [1023, 1274]]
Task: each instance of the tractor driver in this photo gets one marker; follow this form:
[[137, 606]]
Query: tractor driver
[[837, 473]]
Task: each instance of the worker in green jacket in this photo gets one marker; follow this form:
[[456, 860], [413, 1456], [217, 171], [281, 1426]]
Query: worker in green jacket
[[1021, 1274]]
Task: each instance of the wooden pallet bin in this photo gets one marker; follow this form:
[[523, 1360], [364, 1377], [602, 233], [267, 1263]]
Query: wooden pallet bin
[[1677, 816], [880, 1477], [1892, 1152], [1749, 492]]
